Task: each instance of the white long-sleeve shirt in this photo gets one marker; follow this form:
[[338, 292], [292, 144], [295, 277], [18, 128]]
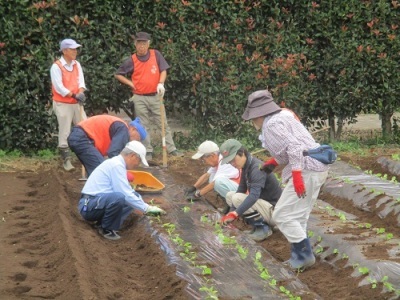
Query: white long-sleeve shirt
[[225, 171], [56, 76], [109, 177]]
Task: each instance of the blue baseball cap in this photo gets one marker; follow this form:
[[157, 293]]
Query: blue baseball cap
[[139, 127]]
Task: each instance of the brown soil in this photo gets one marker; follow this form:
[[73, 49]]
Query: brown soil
[[48, 251]]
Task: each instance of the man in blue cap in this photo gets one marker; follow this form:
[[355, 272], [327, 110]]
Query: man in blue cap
[[103, 135]]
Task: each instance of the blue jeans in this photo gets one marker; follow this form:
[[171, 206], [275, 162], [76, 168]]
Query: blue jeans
[[84, 148], [108, 209]]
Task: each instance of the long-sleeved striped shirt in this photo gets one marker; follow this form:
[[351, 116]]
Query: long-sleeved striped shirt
[[286, 138]]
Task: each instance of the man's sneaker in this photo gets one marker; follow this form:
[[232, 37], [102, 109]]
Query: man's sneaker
[[176, 153], [149, 156], [109, 234]]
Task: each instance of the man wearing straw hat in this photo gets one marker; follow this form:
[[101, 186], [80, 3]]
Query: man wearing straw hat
[[286, 139]]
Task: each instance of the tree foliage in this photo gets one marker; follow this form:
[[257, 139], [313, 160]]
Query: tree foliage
[[326, 60]]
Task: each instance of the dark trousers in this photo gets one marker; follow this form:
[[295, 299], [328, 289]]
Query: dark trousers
[[84, 149], [108, 209]]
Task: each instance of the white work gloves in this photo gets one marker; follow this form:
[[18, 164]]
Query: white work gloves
[[160, 89], [154, 211]]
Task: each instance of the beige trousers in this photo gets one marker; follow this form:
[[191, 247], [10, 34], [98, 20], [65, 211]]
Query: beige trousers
[[148, 109], [66, 115], [262, 206]]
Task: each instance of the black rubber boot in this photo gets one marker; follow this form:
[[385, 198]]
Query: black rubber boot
[[262, 230], [301, 256]]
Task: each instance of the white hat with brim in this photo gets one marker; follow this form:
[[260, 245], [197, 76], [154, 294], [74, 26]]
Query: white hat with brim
[[205, 148], [260, 103], [139, 149], [69, 44]]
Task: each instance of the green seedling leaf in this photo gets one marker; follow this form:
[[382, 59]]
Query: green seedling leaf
[[363, 270], [205, 270], [396, 156], [380, 230], [169, 227], [373, 282], [258, 256], [212, 293], [335, 251], [319, 250], [186, 209], [178, 240], [226, 240], [265, 275], [310, 234], [341, 216], [389, 236], [204, 219], [389, 286], [242, 251]]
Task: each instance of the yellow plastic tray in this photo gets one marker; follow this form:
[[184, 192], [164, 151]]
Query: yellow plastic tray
[[145, 182]]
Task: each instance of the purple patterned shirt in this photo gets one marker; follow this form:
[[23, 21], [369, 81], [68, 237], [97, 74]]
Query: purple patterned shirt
[[286, 138]]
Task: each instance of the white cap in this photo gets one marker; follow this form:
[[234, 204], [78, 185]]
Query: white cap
[[68, 44], [207, 147], [139, 149]]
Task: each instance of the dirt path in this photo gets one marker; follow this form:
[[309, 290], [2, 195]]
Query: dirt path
[[48, 252]]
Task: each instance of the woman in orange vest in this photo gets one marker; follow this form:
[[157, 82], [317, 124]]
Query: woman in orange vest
[[103, 135], [68, 87]]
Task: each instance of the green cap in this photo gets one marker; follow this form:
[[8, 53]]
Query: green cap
[[229, 149]]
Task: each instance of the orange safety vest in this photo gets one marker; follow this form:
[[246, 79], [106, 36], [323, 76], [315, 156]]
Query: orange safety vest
[[146, 75], [70, 80], [98, 129]]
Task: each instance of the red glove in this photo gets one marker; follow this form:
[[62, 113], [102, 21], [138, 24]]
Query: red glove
[[269, 165], [230, 217], [130, 176], [298, 183]]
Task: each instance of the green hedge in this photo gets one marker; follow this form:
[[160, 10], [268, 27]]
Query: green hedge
[[322, 59]]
